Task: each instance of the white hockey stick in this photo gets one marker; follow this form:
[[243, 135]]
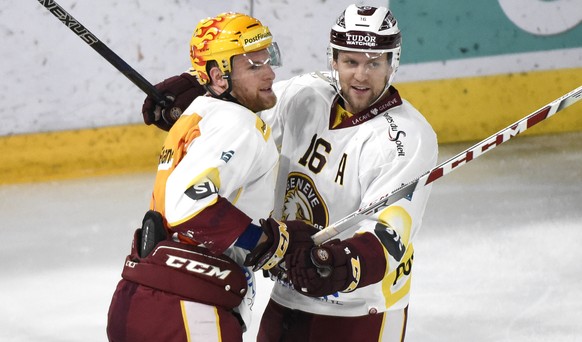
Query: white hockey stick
[[452, 164]]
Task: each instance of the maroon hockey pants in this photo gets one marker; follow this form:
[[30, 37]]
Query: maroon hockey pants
[[280, 324], [142, 314]]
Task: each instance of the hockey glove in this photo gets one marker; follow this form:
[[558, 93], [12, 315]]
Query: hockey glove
[[281, 237], [180, 91], [336, 266]]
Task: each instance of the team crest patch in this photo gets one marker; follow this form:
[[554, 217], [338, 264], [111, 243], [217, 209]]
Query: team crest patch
[[303, 201]]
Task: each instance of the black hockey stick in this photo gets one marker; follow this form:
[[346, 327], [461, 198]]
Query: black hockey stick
[[104, 51], [453, 163]]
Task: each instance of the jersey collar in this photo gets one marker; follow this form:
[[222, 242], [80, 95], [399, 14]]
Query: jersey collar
[[390, 101]]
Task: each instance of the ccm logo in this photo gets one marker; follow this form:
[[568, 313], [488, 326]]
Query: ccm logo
[[197, 267]]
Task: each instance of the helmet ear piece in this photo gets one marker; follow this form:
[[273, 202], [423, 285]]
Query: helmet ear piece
[[214, 72]]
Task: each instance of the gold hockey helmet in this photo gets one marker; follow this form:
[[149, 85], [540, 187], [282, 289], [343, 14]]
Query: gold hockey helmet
[[224, 36]]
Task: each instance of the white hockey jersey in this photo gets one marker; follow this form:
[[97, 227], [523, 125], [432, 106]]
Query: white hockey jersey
[[331, 165], [216, 174], [223, 148]]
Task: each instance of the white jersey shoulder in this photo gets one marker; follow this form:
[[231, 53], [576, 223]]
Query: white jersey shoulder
[[232, 148], [299, 91]]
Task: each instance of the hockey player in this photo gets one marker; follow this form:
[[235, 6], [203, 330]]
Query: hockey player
[[346, 138], [184, 279]]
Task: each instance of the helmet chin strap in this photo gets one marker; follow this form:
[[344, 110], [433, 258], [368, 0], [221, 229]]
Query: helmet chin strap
[[225, 95], [334, 81], [386, 87]]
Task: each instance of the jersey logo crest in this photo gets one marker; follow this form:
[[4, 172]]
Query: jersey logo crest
[[303, 201]]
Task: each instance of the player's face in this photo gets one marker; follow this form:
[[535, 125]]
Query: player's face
[[252, 80], [362, 77]]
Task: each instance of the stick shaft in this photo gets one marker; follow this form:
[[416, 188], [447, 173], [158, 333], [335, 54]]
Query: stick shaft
[[89, 38], [450, 165]]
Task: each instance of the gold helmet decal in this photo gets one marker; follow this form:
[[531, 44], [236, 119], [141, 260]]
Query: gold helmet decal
[[204, 33]]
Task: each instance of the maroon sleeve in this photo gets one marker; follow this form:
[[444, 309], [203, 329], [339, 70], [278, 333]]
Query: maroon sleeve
[[217, 226], [371, 254]]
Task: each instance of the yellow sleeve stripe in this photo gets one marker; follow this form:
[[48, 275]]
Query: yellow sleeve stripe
[[263, 128], [212, 174]]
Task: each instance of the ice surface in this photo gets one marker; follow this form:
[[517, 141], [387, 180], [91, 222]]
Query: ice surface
[[498, 257]]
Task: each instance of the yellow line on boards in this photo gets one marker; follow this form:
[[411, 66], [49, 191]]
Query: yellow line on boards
[[79, 153], [463, 109], [467, 109]]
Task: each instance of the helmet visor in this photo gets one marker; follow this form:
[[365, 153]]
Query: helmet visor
[[273, 57]]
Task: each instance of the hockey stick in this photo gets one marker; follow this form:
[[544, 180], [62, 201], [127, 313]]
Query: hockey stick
[[453, 163], [104, 51]]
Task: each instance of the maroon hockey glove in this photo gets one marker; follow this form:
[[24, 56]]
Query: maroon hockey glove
[[281, 237], [181, 90], [336, 266]]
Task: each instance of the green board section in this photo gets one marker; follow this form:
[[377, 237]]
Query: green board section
[[455, 29]]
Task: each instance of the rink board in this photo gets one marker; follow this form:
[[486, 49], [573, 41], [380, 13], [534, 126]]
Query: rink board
[[462, 109]]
